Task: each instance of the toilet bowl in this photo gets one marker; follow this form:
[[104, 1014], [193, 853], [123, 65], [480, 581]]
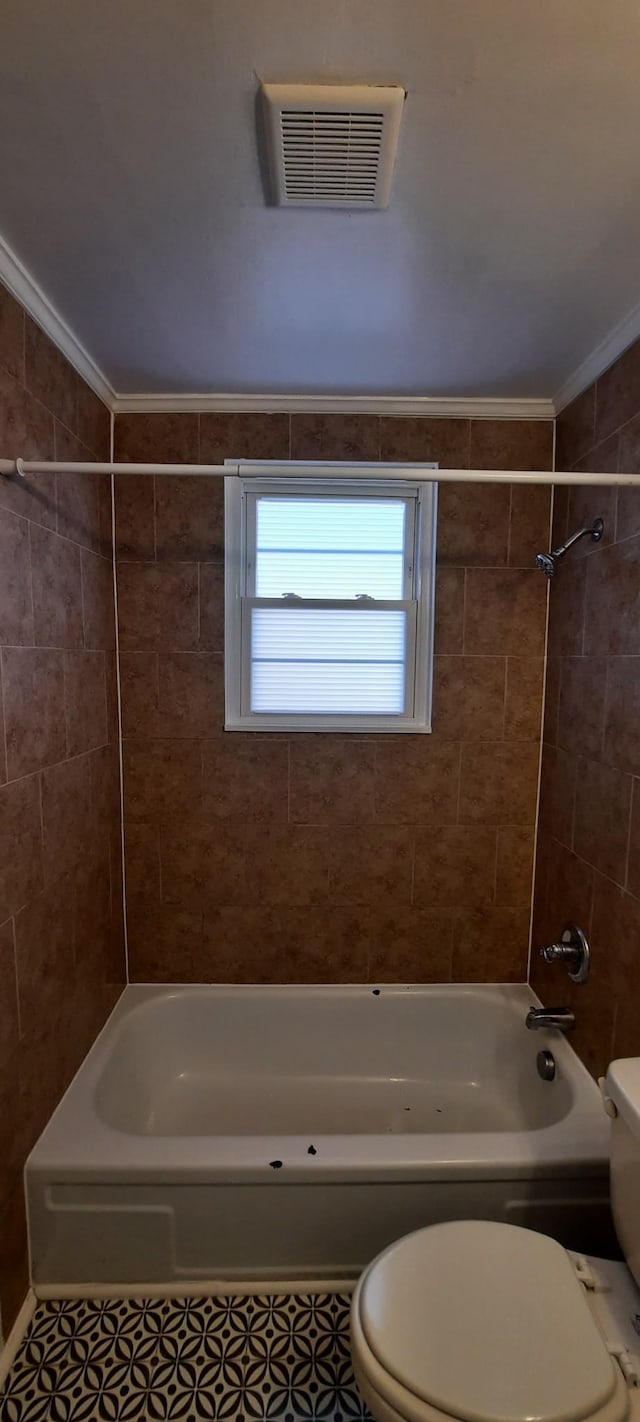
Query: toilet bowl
[[478, 1321]]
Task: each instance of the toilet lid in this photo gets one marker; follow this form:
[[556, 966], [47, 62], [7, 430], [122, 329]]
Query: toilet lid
[[486, 1322]]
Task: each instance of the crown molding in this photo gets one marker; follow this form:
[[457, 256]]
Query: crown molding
[[445, 407], [618, 340], [24, 287]]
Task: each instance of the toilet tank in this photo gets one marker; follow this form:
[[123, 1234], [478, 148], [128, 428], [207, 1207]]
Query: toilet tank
[[622, 1088]]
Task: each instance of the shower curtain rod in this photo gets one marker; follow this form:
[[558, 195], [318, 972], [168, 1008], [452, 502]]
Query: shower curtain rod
[[300, 470]]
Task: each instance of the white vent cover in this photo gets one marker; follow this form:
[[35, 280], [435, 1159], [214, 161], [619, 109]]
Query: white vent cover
[[332, 145]]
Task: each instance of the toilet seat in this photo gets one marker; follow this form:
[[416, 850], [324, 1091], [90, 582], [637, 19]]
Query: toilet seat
[[481, 1322], [389, 1402]]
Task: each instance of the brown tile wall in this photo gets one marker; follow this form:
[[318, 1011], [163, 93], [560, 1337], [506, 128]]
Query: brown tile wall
[[61, 938], [589, 831], [330, 858]]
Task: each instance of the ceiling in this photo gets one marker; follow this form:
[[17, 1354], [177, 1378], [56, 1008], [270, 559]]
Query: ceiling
[[131, 189]]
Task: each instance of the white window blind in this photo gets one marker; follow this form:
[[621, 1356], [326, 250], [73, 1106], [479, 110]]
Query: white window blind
[[330, 547], [329, 590], [332, 661]]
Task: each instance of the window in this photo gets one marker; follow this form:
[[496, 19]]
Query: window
[[328, 600]]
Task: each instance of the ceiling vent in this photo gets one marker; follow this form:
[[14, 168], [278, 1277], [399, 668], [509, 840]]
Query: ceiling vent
[[332, 145]]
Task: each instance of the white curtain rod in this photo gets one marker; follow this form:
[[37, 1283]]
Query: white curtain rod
[[294, 470]]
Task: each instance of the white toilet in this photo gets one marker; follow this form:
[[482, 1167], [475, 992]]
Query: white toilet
[[483, 1322]]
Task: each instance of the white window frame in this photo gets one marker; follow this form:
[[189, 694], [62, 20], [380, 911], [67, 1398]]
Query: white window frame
[[241, 493]]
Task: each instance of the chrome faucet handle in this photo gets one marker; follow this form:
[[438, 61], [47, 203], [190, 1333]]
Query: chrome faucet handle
[[560, 952], [572, 949]]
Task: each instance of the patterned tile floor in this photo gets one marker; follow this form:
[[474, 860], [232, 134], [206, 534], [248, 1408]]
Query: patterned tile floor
[[258, 1358]]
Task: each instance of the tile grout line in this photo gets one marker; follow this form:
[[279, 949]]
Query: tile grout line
[[495, 867], [12, 921], [459, 790], [616, 493], [82, 616], [22, 385], [288, 782], [114, 574], [545, 664], [64, 760], [42, 838], [23, 353], [634, 782], [614, 1028], [4, 716], [31, 597], [574, 804], [64, 537], [583, 627], [625, 876], [605, 712], [66, 703], [616, 428], [505, 698], [198, 606], [508, 563]]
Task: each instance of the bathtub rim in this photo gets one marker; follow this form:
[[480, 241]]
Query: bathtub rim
[[78, 1145]]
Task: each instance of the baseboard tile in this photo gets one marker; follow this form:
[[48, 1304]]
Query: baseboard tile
[[194, 1289]]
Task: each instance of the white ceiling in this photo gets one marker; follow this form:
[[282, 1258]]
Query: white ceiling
[[131, 189]]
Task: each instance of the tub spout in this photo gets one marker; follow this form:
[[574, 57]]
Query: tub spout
[[562, 1018]]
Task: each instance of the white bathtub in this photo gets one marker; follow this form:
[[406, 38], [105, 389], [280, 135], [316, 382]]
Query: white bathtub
[[222, 1132]]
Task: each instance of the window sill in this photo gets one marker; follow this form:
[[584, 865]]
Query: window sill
[[318, 725]]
